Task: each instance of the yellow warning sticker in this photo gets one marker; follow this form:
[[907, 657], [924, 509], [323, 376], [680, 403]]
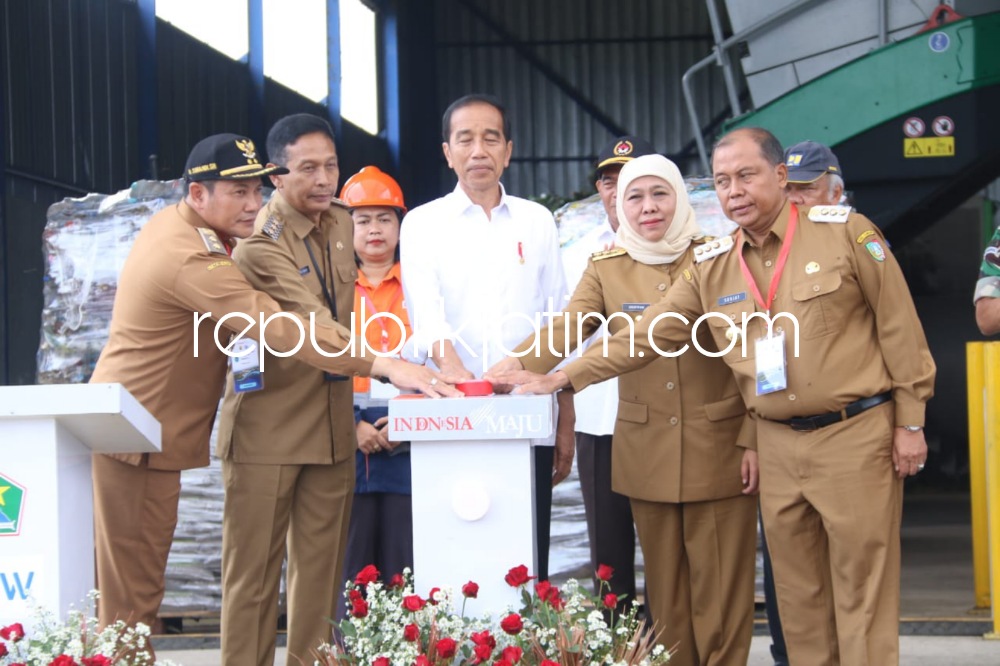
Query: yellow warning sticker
[[931, 146]]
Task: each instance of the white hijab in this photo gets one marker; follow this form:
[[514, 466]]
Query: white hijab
[[682, 228]]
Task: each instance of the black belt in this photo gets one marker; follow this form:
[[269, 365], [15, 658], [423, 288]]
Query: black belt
[[809, 423]]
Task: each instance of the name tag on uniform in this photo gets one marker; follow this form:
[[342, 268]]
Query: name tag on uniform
[[634, 307], [381, 391], [246, 366], [771, 371], [732, 298]]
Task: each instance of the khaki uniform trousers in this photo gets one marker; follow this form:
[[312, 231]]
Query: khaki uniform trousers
[[305, 508], [135, 513], [832, 505], [700, 563]]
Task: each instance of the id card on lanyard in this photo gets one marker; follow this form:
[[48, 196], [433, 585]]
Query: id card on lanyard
[[769, 351], [378, 390], [246, 366]]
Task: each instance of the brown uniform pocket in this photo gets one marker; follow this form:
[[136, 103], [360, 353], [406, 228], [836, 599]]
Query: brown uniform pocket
[[633, 412], [347, 273], [815, 307]]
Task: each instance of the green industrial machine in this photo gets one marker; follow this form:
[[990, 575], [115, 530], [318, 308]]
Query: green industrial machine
[[916, 124]]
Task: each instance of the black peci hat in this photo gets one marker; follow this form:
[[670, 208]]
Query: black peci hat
[[226, 157], [621, 150]]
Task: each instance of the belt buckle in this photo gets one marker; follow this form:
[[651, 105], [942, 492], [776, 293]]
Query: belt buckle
[[803, 425]]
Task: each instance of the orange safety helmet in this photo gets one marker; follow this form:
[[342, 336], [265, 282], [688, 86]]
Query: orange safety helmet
[[372, 187]]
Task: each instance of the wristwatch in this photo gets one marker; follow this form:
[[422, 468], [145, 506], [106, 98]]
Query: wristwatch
[[912, 428]]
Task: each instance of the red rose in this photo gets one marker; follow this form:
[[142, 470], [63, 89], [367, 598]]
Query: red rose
[[382, 661], [610, 600], [96, 660], [413, 602], [518, 576], [446, 648], [604, 572], [63, 660], [13, 632], [548, 662], [512, 654], [549, 594], [502, 662], [359, 608], [484, 638], [482, 652], [411, 632], [395, 581], [422, 660], [367, 575], [512, 624], [354, 594], [430, 595], [3, 649], [470, 590]]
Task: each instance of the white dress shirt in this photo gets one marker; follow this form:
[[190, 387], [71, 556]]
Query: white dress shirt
[[483, 283], [596, 405]]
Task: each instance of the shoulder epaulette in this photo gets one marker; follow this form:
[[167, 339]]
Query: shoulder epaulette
[[212, 241], [607, 254], [273, 227], [835, 214], [339, 202], [701, 240], [713, 248]]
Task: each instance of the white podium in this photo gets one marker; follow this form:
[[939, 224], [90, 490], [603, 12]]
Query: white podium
[[473, 490], [47, 435]]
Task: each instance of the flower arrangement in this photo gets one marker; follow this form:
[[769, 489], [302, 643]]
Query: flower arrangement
[[389, 625], [76, 642]]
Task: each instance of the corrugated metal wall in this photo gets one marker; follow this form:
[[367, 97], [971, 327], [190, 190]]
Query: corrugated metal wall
[[625, 57]]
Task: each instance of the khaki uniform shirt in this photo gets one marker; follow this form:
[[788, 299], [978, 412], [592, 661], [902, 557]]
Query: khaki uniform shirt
[[178, 267], [299, 417], [678, 418], [859, 334]]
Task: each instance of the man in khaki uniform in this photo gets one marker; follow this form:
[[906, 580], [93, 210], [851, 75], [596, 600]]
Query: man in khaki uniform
[[177, 272], [814, 179], [288, 450], [834, 444], [677, 450]]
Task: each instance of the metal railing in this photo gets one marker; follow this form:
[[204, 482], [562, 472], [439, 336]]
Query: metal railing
[[720, 57]]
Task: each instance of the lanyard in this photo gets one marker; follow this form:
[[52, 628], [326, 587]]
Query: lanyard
[[322, 276], [366, 296], [786, 246]]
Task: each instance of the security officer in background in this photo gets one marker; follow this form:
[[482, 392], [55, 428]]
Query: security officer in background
[[287, 447], [610, 529], [179, 265], [839, 415], [814, 175]]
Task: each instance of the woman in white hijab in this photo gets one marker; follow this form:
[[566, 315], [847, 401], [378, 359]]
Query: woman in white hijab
[[676, 452]]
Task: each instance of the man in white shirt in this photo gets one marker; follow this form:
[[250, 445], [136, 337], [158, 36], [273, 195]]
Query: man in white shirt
[[480, 269], [610, 529]]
